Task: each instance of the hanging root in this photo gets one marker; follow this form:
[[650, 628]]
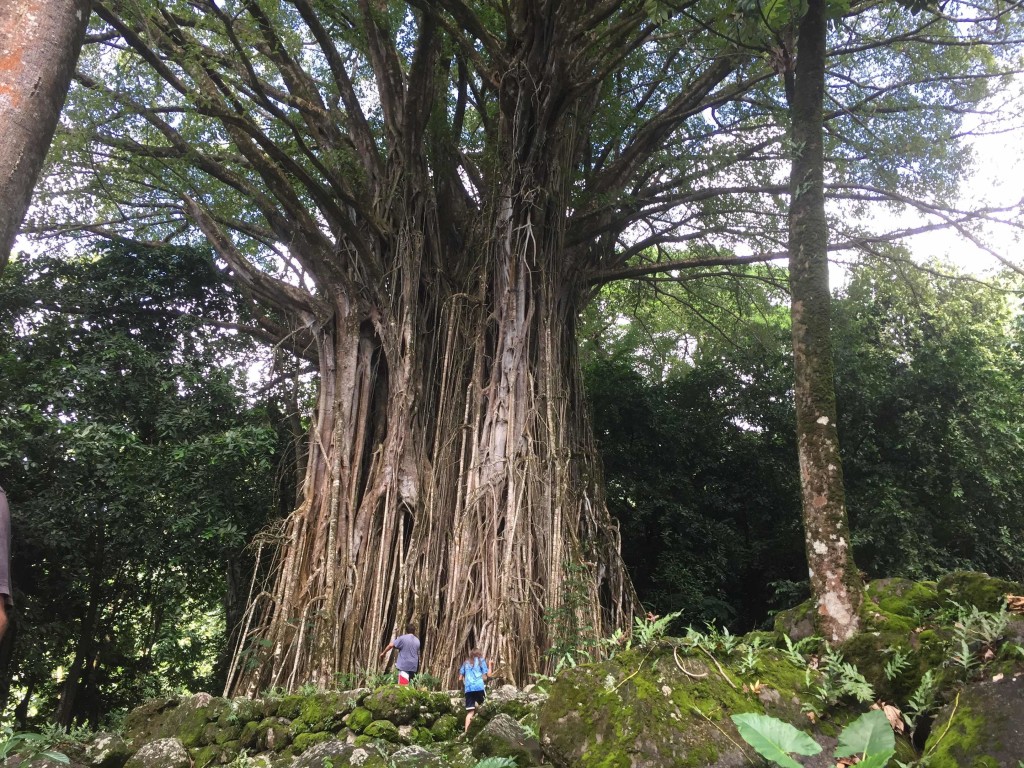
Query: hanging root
[[691, 675]]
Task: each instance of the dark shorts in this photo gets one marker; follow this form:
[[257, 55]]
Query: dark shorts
[[474, 699]]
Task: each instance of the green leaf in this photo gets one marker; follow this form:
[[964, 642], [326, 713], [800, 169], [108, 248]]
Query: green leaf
[[870, 738], [57, 757], [773, 739]]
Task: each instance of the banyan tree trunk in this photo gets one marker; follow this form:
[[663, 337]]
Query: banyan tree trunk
[[452, 479]]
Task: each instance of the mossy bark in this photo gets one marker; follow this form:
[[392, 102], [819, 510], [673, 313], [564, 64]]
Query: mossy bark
[[835, 580]]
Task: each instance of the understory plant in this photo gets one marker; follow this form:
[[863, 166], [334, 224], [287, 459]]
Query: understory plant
[[869, 738], [27, 746]]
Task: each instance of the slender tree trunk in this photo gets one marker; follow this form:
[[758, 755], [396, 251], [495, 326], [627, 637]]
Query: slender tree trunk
[[39, 45], [78, 673], [21, 710], [835, 580]]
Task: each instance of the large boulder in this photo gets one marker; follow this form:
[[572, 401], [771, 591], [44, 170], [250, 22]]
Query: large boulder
[[162, 753], [406, 705], [185, 719], [505, 737], [984, 592], [107, 750], [507, 700], [340, 754], [983, 727], [325, 711], [653, 709], [271, 733], [415, 756]]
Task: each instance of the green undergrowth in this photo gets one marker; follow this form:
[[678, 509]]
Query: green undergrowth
[[925, 650]]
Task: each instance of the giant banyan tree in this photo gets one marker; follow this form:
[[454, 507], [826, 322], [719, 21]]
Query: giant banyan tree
[[419, 198]]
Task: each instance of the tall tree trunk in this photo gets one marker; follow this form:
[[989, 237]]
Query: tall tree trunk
[[835, 581], [39, 45], [451, 477], [449, 483]]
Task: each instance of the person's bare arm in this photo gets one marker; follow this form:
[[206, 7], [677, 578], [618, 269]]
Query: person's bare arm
[[5, 560]]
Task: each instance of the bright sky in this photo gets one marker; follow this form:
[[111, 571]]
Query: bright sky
[[998, 181]]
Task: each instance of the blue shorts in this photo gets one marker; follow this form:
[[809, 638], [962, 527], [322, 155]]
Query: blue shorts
[[474, 699]]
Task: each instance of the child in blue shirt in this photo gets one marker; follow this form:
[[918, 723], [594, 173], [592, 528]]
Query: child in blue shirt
[[473, 672]]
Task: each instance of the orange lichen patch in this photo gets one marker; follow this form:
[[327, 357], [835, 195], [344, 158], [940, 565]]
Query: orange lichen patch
[[20, 33]]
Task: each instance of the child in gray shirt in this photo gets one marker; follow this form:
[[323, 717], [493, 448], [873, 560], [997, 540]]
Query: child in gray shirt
[[408, 661]]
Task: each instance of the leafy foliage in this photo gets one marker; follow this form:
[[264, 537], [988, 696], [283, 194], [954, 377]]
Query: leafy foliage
[[647, 630], [689, 386], [28, 746], [122, 422], [930, 410], [774, 739], [684, 393], [869, 738]]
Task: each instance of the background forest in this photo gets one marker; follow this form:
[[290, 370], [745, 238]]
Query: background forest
[[136, 526]]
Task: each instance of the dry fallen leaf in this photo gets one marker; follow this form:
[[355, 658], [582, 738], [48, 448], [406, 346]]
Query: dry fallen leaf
[[812, 717], [997, 678], [892, 714], [895, 717], [1015, 603], [846, 762]]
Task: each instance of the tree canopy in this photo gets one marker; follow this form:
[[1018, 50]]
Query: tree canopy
[[137, 472]]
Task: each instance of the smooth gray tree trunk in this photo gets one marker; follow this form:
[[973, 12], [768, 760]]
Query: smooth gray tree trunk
[[835, 580]]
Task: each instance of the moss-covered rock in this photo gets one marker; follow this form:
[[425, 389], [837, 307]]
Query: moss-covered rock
[[384, 730], [226, 733], [304, 741], [328, 752], [421, 735], [897, 605], [290, 706], [160, 753], [141, 721], [519, 705], [869, 652], [640, 708], [358, 719], [446, 728], [416, 757], [184, 719], [983, 727], [322, 712], [272, 733], [978, 589], [796, 623], [107, 750], [406, 705], [505, 737], [215, 754], [457, 754]]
